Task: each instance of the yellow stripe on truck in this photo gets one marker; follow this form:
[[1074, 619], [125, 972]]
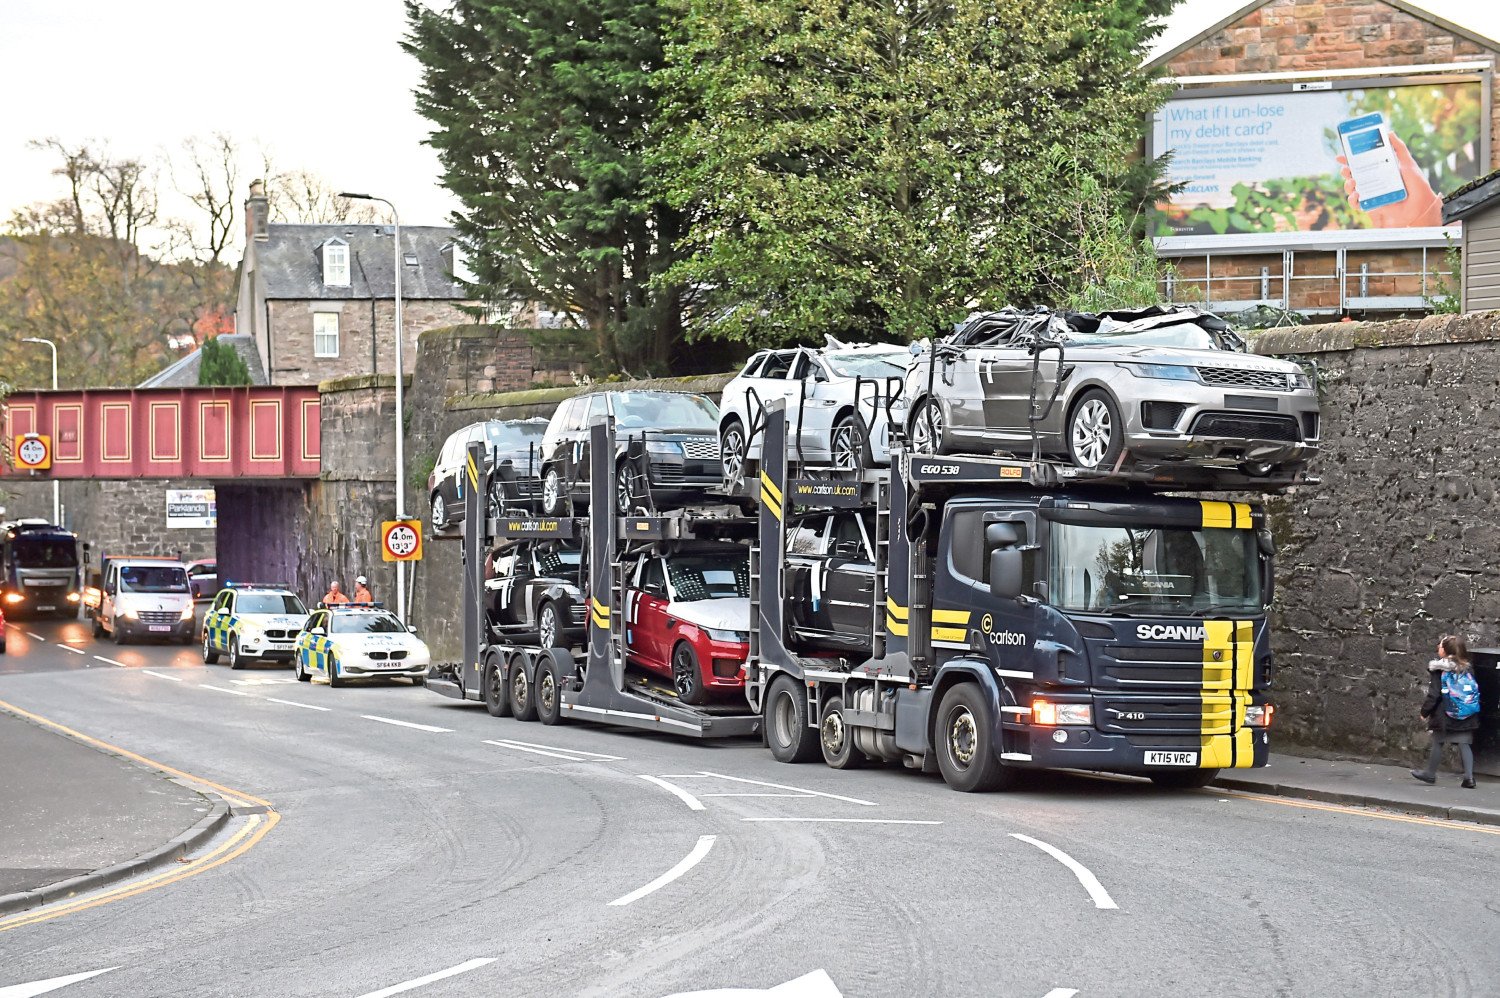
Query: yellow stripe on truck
[[1225, 515], [1225, 741]]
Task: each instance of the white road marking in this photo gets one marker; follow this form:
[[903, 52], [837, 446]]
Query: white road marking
[[263, 681], [221, 689], [572, 751], [856, 821], [1088, 880], [75, 651], [159, 675], [34, 634], [293, 703], [815, 985], [676, 791], [546, 752], [692, 859], [1061, 993], [755, 795], [404, 724], [112, 661], [782, 786], [51, 984], [463, 968], [685, 776]]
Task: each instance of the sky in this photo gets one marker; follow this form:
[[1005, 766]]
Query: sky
[[322, 84]]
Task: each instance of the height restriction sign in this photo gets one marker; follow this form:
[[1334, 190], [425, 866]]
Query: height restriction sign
[[401, 540], [33, 452]]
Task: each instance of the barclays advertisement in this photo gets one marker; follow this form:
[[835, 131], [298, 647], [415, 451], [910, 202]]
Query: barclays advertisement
[[1317, 160]]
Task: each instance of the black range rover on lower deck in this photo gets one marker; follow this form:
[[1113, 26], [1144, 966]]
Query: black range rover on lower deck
[[678, 434]]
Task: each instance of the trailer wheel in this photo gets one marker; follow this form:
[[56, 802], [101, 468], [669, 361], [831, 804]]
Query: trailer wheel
[[548, 691], [837, 738], [522, 703], [785, 722], [1185, 779], [492, 688], [965, 742]]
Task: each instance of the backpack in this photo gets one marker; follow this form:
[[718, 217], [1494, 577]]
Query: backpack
[[1461, 690]]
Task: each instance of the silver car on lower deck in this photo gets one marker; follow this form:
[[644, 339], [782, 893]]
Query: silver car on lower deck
[[1168, 383]]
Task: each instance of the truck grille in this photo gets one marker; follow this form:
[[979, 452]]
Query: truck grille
[[160, 616], [1234, 377], [1243, 426], [1165, 715]]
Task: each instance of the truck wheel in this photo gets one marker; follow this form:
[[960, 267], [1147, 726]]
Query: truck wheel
[[965, 742], [837, 738], [210, 656], [235, 661], [785, 722], [687, 675], [1185, 779], [522, 702], [548, 692], [493, 689], [334, 679]]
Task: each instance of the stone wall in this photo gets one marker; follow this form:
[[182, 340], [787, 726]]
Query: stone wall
[[291, 323], [127, 516], [1400, 544]]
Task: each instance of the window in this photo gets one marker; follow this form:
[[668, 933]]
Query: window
[[325, 334], [652, 579], [336, 263], [753, 366]]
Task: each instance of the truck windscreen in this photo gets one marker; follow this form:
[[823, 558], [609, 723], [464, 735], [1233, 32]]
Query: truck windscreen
[[153, 579], [1160, 571], [44, 552]]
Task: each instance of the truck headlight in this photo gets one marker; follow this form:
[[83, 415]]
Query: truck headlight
[[1047, 713], [125, 612], [187, 612], [14, 598], [1259, 717]]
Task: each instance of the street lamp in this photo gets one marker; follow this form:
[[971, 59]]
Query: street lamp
[[400, 407], [56, 495]]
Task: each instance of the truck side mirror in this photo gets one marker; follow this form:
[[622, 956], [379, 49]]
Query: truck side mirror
[[1001, 535], [1005, 571]]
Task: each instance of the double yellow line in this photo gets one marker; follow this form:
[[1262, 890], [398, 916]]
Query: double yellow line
[[237, 845]]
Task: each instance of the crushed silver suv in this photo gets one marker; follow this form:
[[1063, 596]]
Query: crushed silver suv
[[1165, 383]]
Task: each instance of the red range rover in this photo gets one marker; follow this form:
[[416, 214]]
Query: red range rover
[[687, 618]]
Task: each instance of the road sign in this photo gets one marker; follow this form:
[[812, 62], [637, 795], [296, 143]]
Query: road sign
[[33, 452], [401, 540]]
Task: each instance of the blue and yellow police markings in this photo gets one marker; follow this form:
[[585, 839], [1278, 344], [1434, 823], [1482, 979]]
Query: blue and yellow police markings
[[218, 628], [315, 652]]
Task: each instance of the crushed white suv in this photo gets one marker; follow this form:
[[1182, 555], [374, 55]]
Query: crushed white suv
[[836, 400]]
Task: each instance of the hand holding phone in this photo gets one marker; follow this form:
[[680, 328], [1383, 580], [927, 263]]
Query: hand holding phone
[[1382, 179]]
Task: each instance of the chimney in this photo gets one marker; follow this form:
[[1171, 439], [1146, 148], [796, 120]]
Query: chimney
[[257, 213]]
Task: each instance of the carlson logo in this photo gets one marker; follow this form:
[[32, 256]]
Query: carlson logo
[[1168, 632]]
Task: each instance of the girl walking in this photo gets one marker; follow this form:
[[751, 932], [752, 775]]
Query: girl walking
[[1450, 687]]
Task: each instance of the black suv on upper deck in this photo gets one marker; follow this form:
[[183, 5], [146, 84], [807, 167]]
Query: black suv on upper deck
[[679, 433]]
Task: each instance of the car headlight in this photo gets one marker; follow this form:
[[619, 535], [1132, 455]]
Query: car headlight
[[1048, 713], [663, 447], [1166, 372], [187, 612], [718, 635], [1259, 717], [1300, 380], [125, 612]]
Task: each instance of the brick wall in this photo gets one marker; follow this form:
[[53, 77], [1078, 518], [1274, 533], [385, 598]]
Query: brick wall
[[1400, 544], [1315, 281], [291, 323]]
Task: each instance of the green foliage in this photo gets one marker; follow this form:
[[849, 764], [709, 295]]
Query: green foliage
[[221, 364], [1113, 266], [1447, 296], [865, 168], [543, 112]]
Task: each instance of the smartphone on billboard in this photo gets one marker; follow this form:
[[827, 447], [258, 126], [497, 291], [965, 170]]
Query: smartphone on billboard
[[1372, 161]]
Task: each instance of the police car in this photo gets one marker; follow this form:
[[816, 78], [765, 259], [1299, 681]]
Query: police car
[[348, 641], [252, 621]]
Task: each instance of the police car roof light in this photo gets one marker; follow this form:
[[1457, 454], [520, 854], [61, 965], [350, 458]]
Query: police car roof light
[[256, 585]]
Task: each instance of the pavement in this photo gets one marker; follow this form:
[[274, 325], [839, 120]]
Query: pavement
[[408, 843], [72, 809]]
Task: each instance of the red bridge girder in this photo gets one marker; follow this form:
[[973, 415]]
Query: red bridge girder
[[212, 433]]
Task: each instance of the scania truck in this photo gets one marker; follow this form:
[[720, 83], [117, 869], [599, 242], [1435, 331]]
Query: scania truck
[[1023, 615], [39, 569]]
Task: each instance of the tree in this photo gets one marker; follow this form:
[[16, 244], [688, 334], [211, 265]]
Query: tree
[[543, 114], [867, 167], [221, 364]]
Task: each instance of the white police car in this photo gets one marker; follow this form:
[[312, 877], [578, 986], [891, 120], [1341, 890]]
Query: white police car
[[350, 641], [253, 621]]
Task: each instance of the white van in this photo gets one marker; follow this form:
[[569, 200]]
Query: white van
[[145, 598]]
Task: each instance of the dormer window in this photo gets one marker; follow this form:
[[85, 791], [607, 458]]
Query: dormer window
[[336, 263]]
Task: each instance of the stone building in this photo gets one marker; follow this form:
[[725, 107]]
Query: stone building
[[1265, 101], [319, 300]]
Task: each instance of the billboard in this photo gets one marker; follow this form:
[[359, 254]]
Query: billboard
[[192, 508], [1369, 156]]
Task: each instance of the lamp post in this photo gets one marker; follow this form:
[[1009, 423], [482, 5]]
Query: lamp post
[[400, 396], [56, 494]]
